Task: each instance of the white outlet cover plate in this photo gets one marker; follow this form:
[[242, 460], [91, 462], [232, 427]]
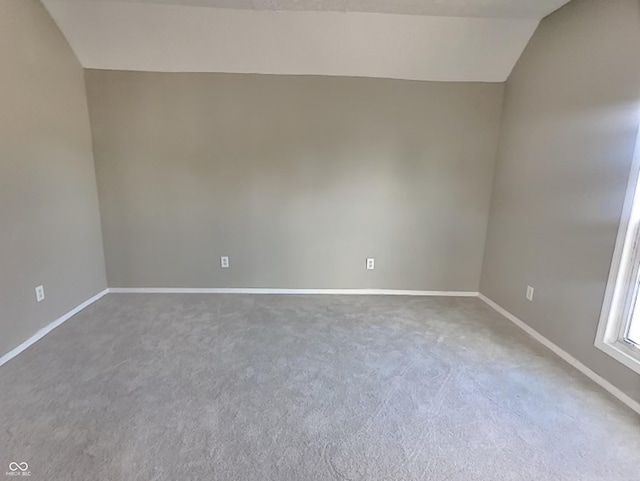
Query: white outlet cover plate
[[40, 293], [371, 263], [530, 291], [224, 262]]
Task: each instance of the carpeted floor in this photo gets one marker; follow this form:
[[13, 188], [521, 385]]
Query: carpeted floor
[[304, 388]]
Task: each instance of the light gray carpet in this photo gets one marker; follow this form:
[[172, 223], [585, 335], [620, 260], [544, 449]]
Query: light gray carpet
[[302, 388]]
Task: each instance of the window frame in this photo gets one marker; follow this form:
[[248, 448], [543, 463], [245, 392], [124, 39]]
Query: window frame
[[619, 300]]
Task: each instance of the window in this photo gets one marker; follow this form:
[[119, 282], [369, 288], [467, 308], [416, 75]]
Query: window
[[633, 334], [619, 330]]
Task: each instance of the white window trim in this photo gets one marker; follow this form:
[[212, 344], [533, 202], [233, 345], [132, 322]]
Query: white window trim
[[610, 327]]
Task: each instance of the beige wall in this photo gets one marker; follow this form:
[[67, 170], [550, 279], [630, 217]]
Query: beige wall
[[297, 179], [568, 132], [49, 219]]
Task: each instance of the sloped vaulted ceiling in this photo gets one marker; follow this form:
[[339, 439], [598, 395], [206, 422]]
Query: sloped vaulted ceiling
[[442, 40]]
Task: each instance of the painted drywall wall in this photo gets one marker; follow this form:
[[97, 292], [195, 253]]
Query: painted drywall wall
[[49, 218], [297, 179], [568, 132]]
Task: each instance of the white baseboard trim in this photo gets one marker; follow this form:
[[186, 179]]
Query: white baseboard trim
[[564, 355], [627, 400], [50, 327], [250, 290]]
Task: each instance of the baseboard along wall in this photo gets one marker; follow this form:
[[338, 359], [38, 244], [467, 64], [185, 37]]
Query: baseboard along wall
[[251, 290], [50, 327], [627, 400]]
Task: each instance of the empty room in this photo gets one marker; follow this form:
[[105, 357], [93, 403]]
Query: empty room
[[298, 240]]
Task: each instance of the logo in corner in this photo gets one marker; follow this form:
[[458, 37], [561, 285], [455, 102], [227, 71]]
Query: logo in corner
[[18, 469]]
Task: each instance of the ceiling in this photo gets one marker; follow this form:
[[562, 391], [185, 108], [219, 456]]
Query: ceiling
[[438, 40], [532, 9]]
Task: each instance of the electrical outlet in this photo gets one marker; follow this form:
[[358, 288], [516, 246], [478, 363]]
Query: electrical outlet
[[371, 263], [40, 293], [224, 262], [529, 293]]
